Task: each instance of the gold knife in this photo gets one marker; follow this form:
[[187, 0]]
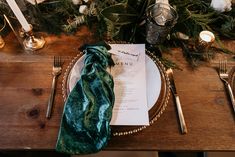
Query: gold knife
[[177, 101]]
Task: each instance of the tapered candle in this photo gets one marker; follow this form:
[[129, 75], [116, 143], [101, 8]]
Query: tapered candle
[[16, 10]]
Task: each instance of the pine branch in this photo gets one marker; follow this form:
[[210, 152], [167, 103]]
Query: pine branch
[[73, 25]]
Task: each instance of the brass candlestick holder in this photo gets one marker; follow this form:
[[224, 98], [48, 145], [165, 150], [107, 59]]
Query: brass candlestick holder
[[2, 43], [31, 42]]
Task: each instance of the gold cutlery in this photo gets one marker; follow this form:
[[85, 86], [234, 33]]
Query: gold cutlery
[[56, 71], [223, 74], [177, 101]]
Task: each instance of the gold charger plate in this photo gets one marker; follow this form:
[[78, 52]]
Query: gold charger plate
[[154, 113]]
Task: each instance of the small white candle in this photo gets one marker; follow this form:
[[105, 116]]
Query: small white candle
[[16, 10], [207, 36]]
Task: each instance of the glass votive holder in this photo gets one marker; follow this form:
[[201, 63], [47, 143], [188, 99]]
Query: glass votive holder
[[160, 19], [205, 40], [203, 45]]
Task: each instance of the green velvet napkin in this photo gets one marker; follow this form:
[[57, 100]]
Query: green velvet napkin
[[87, 113]]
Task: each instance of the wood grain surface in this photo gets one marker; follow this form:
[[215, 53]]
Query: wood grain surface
[[25, 82]]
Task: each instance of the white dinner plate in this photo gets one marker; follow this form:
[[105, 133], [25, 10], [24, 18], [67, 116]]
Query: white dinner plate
[[153, 78]]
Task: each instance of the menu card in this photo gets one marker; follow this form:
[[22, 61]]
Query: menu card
[[129, 76]]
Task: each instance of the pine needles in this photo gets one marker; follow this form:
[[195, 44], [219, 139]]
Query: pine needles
[[121, 19]]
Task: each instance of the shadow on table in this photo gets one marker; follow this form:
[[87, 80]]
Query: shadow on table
[[181, 154], [27, 153]]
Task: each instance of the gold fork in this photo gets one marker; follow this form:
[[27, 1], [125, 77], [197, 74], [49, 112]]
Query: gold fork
[[223, 74], [56, 71]]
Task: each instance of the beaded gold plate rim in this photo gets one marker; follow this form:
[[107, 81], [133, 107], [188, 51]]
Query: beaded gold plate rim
[[66, 75], [132, 129], [163, 102]]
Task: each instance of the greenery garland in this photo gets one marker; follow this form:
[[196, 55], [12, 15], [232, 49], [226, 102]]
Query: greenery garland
[[194, 16], [121, 20]]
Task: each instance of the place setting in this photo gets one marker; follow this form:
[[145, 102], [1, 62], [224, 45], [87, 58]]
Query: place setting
[[152, 94], [141, 82], [156, 93], [122, 85], [139, 91]]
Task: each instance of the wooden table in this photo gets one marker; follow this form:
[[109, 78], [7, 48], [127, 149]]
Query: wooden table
[[25, 82]]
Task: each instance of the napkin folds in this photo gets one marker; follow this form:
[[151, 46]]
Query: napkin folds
[[87, 112]]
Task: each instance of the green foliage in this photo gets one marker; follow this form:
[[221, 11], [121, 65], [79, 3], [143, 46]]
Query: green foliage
[[117, 16], [197, 15], [74, 24], [4, 9], [123, 20], [53, 15], [227, 26], [56, 16]]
